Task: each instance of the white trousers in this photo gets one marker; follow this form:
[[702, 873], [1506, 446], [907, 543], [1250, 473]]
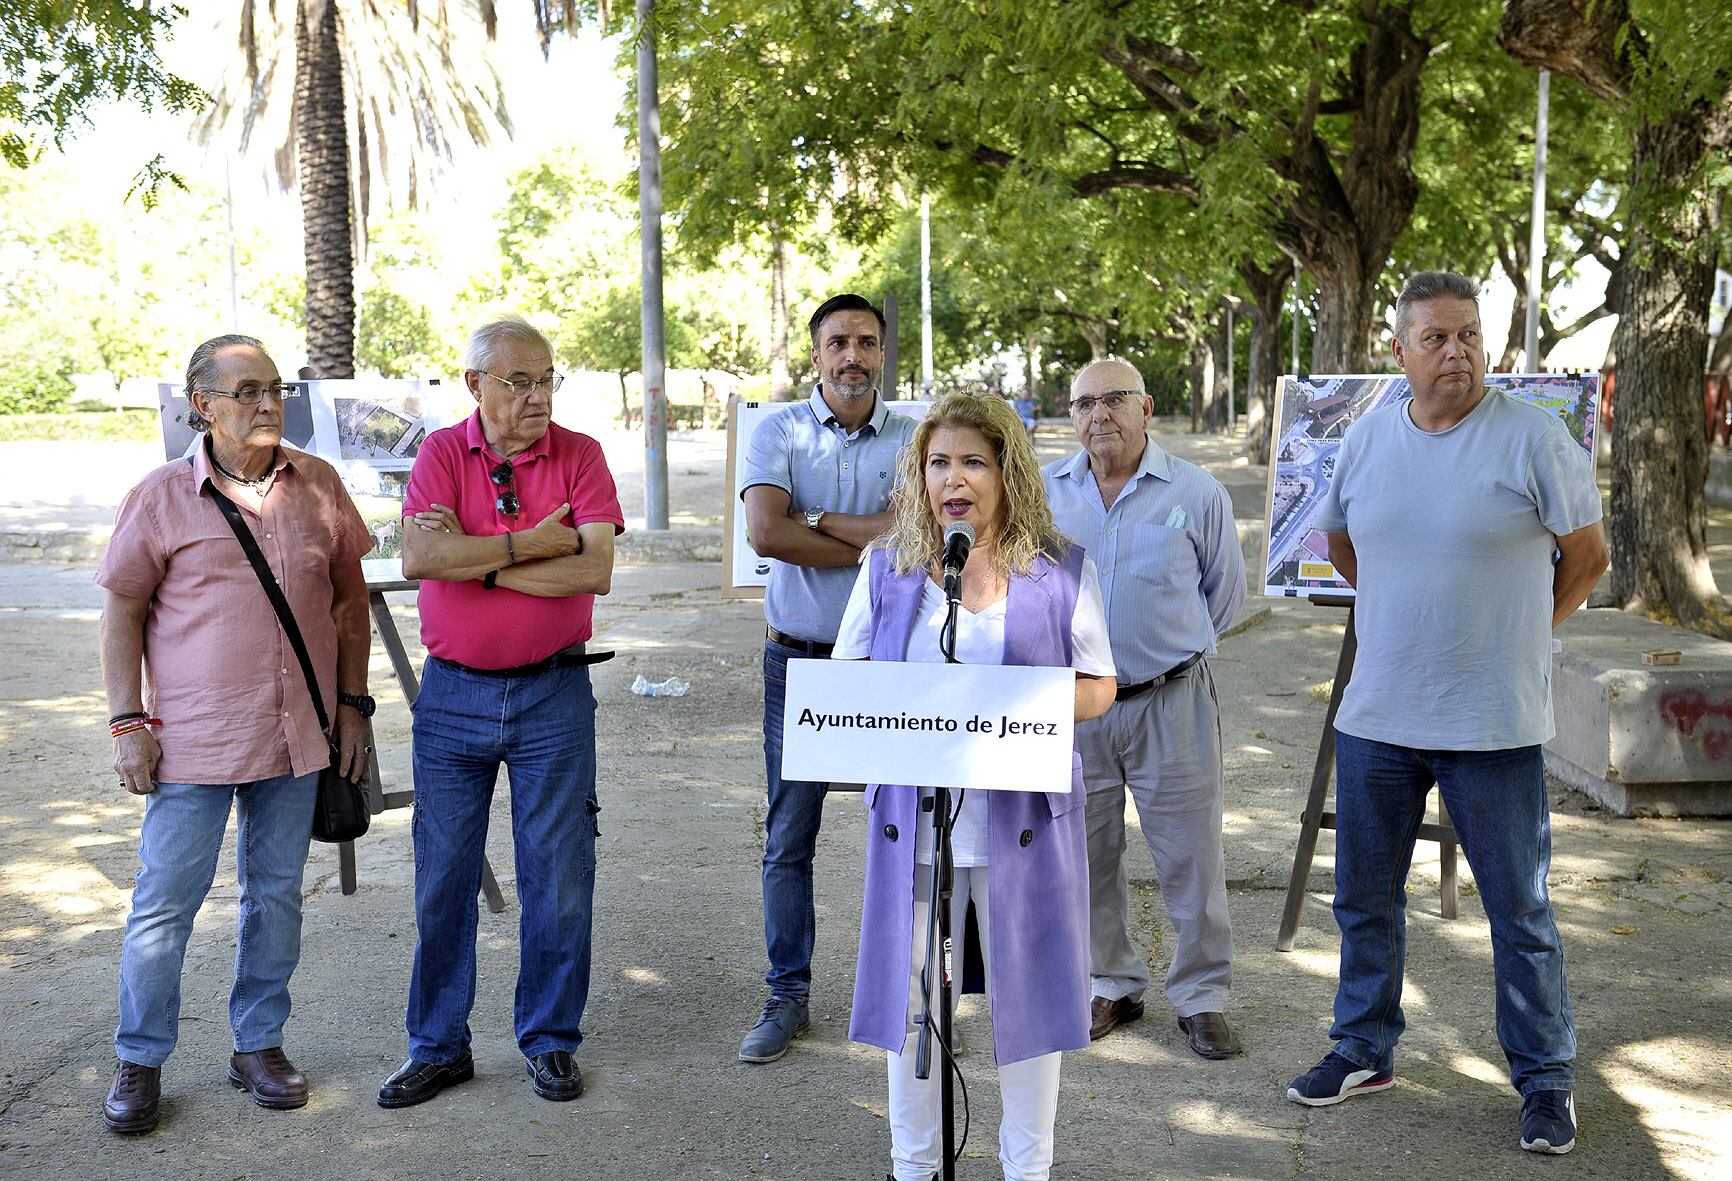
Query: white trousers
[[1029, 1088]]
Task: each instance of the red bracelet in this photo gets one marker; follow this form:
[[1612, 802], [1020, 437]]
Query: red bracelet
[[131, 724]]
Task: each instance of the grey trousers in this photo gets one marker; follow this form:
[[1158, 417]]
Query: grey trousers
[[1165, 746]]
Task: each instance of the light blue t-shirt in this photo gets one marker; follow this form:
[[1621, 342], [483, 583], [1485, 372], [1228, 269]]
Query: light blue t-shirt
[[805, 452], [1455, 534]]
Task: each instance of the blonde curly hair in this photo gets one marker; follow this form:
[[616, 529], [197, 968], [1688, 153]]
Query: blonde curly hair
[[1024, 527]]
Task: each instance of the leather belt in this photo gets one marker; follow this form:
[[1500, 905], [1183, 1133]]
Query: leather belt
[[1126, 692], [571, 657], [809, 647]]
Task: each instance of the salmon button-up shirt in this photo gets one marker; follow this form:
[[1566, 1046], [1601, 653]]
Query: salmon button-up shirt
[[218, 670]]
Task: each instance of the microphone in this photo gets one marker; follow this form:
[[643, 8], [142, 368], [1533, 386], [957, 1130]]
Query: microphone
[[958, 540]]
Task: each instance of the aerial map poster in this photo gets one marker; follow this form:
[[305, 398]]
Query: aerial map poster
[[1311, 415]]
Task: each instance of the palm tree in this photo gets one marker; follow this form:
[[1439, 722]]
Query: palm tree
[[380, 97]]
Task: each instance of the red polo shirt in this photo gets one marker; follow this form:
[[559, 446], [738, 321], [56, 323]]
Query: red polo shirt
[[500, 628]]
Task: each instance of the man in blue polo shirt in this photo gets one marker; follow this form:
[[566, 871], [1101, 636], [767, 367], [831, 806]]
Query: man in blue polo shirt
[[816, 489]]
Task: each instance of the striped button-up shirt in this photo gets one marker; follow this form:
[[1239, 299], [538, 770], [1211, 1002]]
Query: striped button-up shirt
[[1168, 552]]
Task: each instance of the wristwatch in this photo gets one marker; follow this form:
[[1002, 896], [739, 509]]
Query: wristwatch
[[358, 701], [813, 516]]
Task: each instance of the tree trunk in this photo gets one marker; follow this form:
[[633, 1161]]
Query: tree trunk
[[1268, 290], [1095, 333], [1201, 373], [1341, 225], [322, 148], [1658, 521], [781, 379], [624, 400], [1031, 346]]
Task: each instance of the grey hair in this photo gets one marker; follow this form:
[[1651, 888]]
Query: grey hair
[[1427, 286], [1138, 385], [484, 343], [201, 370]]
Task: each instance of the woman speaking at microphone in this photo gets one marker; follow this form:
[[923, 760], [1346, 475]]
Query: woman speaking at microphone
[[1029, 597]]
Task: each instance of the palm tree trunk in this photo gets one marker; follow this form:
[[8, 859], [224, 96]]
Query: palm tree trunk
[[322, 146]]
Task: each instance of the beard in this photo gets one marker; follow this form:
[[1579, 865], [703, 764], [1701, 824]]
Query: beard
[[851, 391]]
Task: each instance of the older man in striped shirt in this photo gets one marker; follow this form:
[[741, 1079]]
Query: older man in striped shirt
[[1161, 531]]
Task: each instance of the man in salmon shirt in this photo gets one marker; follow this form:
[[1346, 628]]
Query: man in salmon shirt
[[213, 728], [509, 523]]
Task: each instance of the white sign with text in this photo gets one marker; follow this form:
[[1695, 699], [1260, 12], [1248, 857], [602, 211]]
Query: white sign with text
[[1003, 727]]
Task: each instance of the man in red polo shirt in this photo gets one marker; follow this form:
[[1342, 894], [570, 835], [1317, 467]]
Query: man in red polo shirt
[[509, 523]]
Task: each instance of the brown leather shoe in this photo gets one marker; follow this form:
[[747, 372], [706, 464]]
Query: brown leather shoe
[[1209, 1035], [1107, 1015], [135, 1098], [270, 1078]]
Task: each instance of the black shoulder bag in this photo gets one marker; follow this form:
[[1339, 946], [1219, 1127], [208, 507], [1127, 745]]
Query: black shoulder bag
[[340, 813]]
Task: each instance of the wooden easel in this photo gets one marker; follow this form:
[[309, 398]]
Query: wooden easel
[[378, 799], [1314, 819]]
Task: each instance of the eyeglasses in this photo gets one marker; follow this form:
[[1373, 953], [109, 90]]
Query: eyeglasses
[[522, 389], [1112, 400], [505, 476], [279, 392]]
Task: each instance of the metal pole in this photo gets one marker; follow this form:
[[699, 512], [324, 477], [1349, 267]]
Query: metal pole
[[1298, 272], [1230, 415], [649, 187], [1537, 240], [926, 295], [890, 381]]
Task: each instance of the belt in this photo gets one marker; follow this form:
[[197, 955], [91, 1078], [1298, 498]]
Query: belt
[[1126, 692], [809, 647], [571, 657]]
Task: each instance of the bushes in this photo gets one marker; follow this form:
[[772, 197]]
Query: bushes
[[34, 388], [113, 425]]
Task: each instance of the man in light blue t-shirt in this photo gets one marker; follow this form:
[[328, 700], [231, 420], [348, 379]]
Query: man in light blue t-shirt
[[816, 490], [1469, 524]]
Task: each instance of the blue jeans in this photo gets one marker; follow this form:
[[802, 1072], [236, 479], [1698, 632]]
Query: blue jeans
[[542, 728], [1497, 803], [790, 840], [177, 852]]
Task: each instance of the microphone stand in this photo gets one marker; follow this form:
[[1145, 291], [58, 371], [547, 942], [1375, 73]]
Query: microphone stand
[[938, 934]]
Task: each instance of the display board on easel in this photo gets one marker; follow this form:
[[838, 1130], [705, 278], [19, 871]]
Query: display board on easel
[[369, 429], [1313, 412], [744, 573]]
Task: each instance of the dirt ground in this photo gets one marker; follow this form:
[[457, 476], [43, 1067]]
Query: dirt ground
[[1645, 907]]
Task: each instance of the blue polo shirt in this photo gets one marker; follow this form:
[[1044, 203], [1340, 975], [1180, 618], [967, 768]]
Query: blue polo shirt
[[805, 452]]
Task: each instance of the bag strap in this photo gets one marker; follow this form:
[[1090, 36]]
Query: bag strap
[[274, 592]]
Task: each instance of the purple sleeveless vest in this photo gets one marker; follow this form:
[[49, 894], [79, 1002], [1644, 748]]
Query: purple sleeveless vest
[[1036, 845]]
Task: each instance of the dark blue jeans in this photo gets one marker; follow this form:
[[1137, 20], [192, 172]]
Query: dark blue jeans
[[1497, 803], [542, 728], [790, 840]]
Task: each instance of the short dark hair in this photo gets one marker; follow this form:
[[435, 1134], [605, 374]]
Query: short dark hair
[[1425, 287], [846, 302], [201, 369]]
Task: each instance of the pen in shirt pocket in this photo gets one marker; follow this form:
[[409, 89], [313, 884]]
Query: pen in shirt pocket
[[1176, 519]]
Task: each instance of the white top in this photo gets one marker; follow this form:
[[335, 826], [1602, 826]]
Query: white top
[[979, 640]]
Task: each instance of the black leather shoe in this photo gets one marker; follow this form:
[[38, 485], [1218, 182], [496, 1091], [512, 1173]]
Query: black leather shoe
[[555, 1076], [417, 1081], [1209, 1035]]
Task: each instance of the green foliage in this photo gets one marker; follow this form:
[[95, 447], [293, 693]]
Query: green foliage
[[60, 59], [34, 387]]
